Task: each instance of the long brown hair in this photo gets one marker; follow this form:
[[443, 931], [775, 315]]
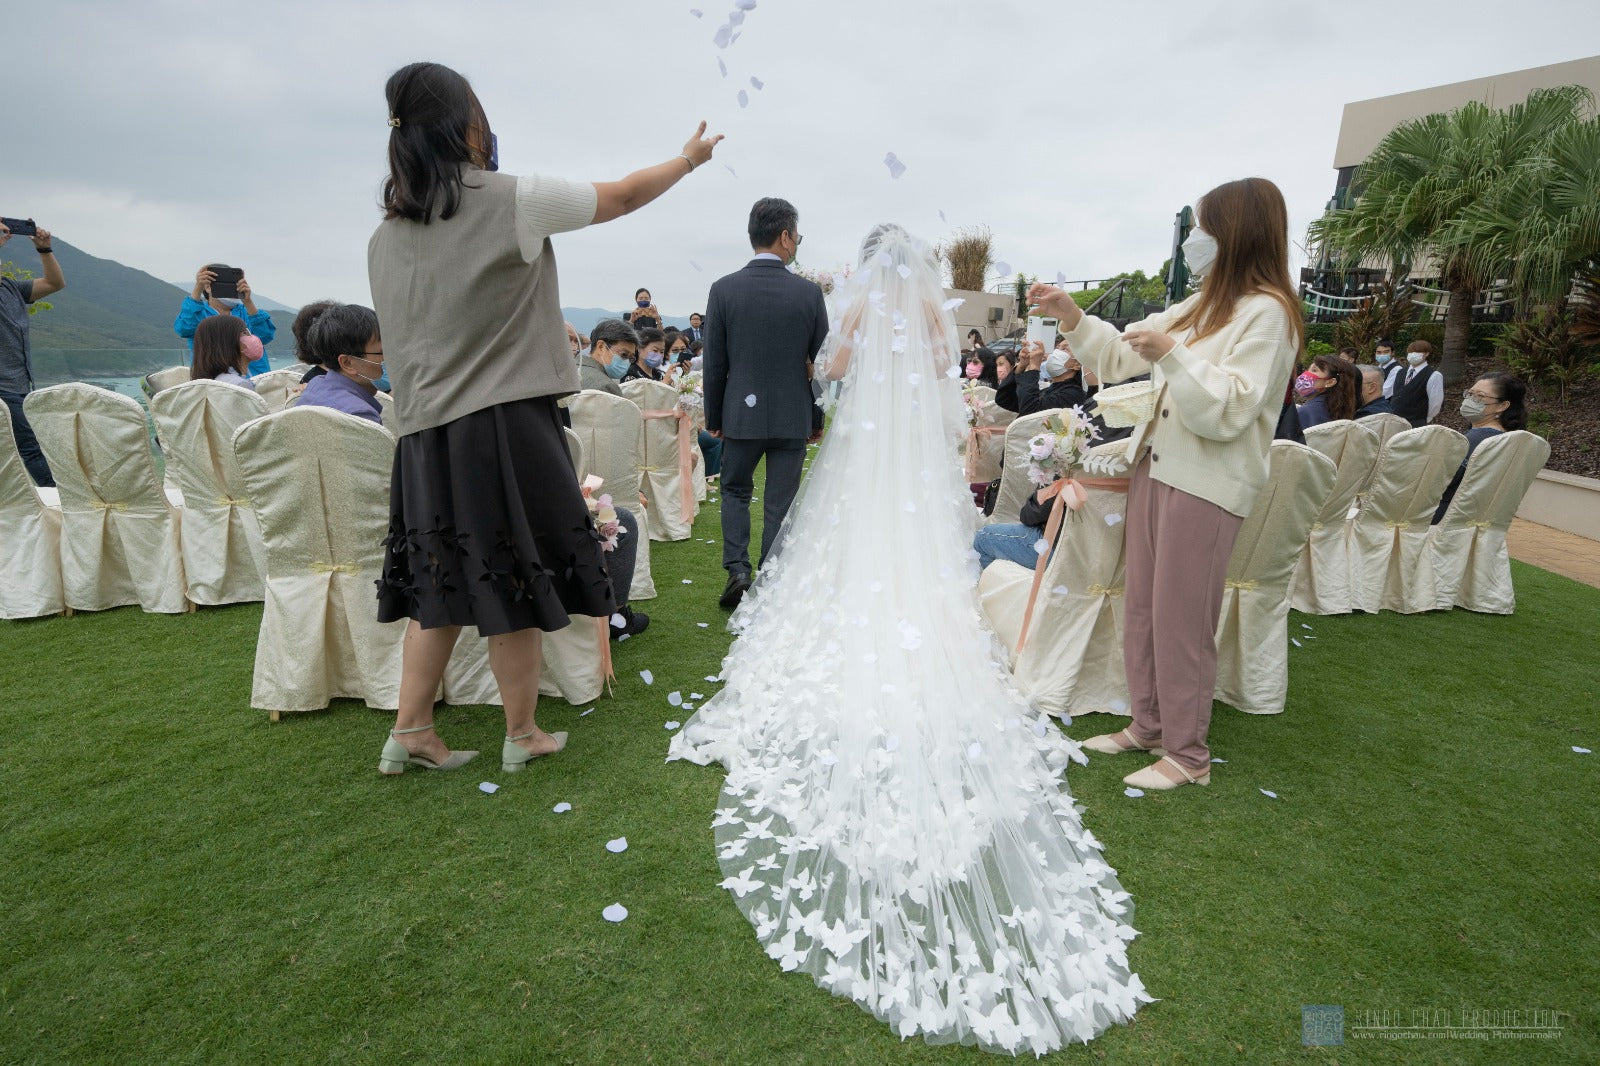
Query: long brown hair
[[1250, 223], [216, 346], [438, 128], [1343, 396]]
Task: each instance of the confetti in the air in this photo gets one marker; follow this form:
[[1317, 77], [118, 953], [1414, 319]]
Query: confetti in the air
[[724, 36], [744, 98], [951, 305], [896, 168], [696, 12], [942, 218], [745, 5], [903, 270], [722, 67], [1004, 268], [1061, 279], [1041, 546], [694, 264], [618, 622], [730, 170], [757, 84]]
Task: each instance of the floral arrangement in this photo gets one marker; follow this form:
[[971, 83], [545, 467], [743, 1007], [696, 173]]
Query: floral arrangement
[[827, 279], [972, 404], [603, 511], [692, 393], [1063, 447]]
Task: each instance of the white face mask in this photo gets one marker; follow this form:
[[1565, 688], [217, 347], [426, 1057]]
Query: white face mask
[[1055, 367], [1199, 251], [1416, 358]]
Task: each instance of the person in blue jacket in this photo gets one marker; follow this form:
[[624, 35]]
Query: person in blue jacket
[[199, 305]]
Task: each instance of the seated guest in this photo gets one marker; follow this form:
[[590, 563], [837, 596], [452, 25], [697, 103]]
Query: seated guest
[[648, 356], [574, 341], [302, 342], [1373, 402], [223, 349], [1328, 391], [1494, 405], [1015, 541], [345, 341], [613, 345], [980, 368], [1066, 388], [678, 356]]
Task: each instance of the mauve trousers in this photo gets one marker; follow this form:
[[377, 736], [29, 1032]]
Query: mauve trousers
[[1177, 562]]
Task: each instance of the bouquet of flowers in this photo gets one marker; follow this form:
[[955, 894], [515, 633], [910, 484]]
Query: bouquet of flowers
[[971, 404], [603, 511], [692, 394], [1063, 447], [827, 279]]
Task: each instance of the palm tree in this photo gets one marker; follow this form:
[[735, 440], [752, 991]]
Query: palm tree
[[1415, 193]]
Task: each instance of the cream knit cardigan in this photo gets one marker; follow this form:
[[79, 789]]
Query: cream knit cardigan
[[1217, 400]]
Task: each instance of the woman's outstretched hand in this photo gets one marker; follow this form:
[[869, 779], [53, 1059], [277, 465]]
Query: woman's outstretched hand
[[1148, 344], [699, 147], [1054, 302]]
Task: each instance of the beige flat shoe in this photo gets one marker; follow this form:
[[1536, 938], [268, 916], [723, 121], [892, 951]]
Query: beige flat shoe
[[1117, 743], [1152, 779], [513, 756]]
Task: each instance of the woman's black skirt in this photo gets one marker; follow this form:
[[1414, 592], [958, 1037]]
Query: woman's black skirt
[[488, 527]]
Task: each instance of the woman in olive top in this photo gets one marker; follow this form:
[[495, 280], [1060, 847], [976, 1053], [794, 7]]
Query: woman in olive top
[[1220, 362], [488, 527]]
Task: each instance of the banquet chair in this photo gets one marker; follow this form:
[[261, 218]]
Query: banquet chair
[[1014, 484], [1467, 549], [120, 532], [1322, 580], [575, 452], [223, 560], [1071, 662], [30, 530], [1389, 565], [165, 379], [274, 386], [667, 444], [1385, 425], [609, 428], [386, 410], [1252, 627], [984, 447]]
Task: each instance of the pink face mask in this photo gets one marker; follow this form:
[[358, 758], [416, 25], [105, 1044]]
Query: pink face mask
[[974, 370], [1307, 385], [252, 346]]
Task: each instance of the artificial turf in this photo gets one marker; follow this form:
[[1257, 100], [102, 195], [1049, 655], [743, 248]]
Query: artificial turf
[[185, 881]]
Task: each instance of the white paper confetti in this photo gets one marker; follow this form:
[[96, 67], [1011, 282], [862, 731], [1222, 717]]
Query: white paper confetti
[[585, 714], [951, 305], [696, 12], [1133, 793], [1219, 760], [617, 846], [1061, 279], [750, 400], [703, 625], [647, 677], [942, 218], [757, 84], [735, 18], [1581, 751], [744, 98], [1303, 625], [561, 808], [1113, 519], [723, 67], [713, 678], [724, 36], [1041, 728], [624, 637], [903, 270], [488, 787], [974, 750], [688, 581], [696, 696], [618, 622], [896, 168], [695, 265], [868, 425], [891, 742], [670, 726], [730, 170], [615, 913], [688, 706], [675, 698], [1269, 795], [745, 5], [1041, 546], [1296, 643], [1119, 706], [953, 373]]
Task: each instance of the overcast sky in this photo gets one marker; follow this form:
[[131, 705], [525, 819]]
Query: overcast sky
[[169, 134]]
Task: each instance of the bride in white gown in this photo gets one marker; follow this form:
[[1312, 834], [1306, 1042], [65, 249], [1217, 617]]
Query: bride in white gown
[[895, 820]]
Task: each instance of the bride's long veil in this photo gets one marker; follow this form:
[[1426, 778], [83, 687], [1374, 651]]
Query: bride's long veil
[[894, 820]]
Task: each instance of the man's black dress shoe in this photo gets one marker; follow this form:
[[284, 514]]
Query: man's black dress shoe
[[737, 583]]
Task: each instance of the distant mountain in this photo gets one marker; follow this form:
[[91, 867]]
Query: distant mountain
[[584, 318]]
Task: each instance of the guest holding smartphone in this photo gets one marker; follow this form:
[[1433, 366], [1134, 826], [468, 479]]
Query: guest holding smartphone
[[1220, 362], [488, 527], [200, 305], [16, 357]]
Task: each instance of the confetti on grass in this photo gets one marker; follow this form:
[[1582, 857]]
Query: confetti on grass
[[675, 698], [1133, 793], [615, 913], [1269, 795], [585, 714], [617, 846], [488, 787], [1581, 751], [561, 808], [670, 726], [647, 677], [1219, 760]]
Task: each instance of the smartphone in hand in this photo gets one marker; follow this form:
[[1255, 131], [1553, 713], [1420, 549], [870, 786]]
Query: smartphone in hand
[[226, 284], [20, 227]]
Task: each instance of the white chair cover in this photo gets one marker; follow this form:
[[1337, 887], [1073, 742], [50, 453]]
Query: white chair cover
[[320, 636], [1389, 566], [119, 530], [667, 443], [1468, 546], [1014, 483], [274, 386], [701, 491], [1385, 426], [1072, 662], [984, 448], [165, 379], [609, 427], [1322, 580], [580, 465], [1252, 630], [386, 412], [223, 560], [30, 532]]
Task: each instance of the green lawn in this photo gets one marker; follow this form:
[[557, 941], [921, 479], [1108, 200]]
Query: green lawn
[[185, 881]]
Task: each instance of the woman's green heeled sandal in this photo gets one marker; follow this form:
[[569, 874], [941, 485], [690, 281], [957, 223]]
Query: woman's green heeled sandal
[[395, 758], [514, 756]]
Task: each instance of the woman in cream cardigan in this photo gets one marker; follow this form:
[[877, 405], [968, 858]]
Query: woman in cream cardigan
[[1220, 362]]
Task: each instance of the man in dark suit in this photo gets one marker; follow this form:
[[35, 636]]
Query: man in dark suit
[[764, 326]]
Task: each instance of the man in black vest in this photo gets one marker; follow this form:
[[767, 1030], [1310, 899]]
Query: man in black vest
[[1416, 390], [764, 326]]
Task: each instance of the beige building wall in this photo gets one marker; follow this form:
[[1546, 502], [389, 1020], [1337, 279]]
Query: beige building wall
[[1366, 122]]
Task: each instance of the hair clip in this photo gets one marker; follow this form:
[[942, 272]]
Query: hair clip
[[394, 121]]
